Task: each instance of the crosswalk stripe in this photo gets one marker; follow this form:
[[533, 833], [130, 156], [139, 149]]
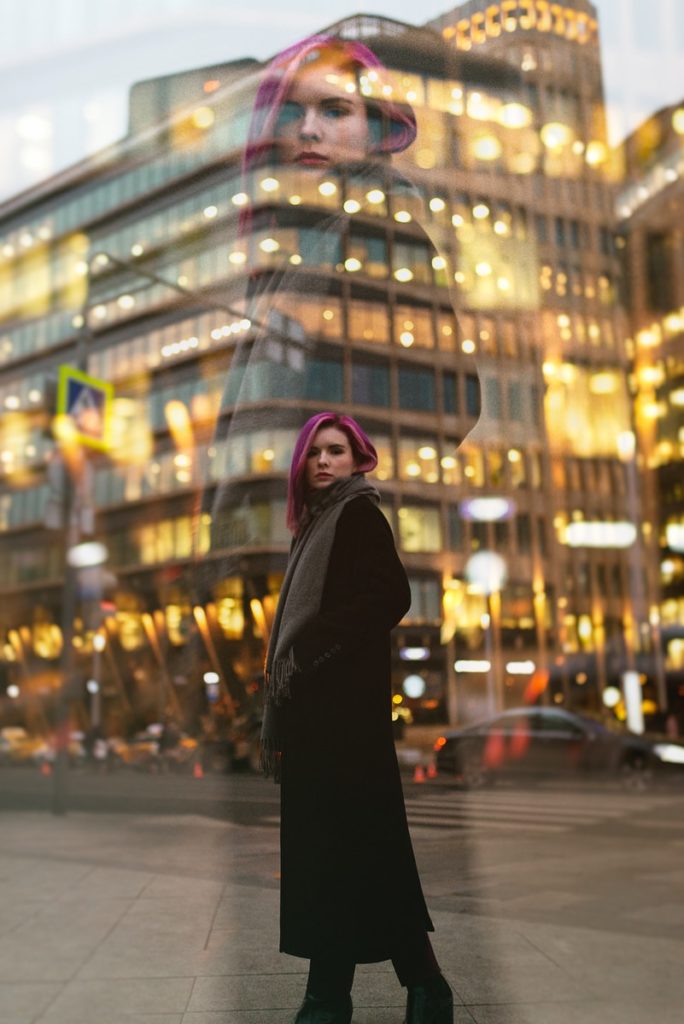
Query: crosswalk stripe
[[508, 807], [614, 806], [518, 812], [516, 818], [420, 821]]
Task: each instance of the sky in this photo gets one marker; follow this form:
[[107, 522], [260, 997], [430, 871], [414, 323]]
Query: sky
[[66, 65]]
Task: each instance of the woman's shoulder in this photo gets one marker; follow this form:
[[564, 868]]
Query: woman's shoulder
[[362, 513]]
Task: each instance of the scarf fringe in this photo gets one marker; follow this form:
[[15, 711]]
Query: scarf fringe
[[280, 678], [271, 759]]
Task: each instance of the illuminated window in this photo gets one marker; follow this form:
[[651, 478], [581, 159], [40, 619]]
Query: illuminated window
[[420, 528], [450, 462], [414, 257], [517, 469], [418, 458], [318, 316], [413, 327], [446, 331], [527, 14], [370, 251], [229, 603], [445, 95], [383, 446], [463, 41], [370, 197], [493, 21], [558, 14], [368, 321], [495, 468], [477, 28], [544, 20], [473, 466], [509, 339]]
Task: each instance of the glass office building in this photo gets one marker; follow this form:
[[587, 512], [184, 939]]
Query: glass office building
[[466, 307]]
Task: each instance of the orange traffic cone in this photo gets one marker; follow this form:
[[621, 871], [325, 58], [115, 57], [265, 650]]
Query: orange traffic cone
[[45, 768], [419, 774], [432, 770], [197, 771]]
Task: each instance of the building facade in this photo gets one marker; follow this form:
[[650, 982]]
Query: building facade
[[650, 209], [465, 307]]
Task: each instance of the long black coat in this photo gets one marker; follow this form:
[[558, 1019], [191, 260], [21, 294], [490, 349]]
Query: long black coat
[[349, 884]]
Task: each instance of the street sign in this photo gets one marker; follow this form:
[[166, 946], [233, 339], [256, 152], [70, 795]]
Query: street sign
[[87, 402]]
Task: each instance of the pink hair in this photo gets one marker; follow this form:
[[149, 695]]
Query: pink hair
[[365, 456]]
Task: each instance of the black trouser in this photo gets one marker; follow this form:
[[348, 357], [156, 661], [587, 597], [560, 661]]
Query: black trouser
[[414, 962]]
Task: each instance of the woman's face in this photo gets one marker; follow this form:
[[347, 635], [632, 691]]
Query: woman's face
[[329, 458], [323, 121]]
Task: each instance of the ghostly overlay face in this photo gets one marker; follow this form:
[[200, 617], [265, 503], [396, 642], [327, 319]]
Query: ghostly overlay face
[[323, 121]]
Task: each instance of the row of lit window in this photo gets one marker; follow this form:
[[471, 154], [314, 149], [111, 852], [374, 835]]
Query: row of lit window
[[526, 15], [479, 272], [107, 196], [40, 334], [573, 328], [324, 318], [418, 459], [410, 262], [576, 283]]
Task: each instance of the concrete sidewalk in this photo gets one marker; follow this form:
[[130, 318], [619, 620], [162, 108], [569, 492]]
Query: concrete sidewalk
[[123, 919]]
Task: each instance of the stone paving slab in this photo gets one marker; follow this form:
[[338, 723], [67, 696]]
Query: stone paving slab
[[21, 1001], [111, 1002]]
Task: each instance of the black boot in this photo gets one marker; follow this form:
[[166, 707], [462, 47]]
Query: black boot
[[430, 1003], [324, 1011]]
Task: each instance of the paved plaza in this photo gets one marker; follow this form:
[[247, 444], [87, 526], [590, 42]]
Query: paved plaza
[[173, 918]]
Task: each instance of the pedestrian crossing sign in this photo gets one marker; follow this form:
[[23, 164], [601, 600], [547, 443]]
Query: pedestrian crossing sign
[[87, 402]]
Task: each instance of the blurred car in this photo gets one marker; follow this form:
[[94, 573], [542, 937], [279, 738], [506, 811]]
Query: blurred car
[[538, 742], [147, 751], [18, 746]]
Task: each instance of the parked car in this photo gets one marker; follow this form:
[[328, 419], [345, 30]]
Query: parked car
[[537, 742]]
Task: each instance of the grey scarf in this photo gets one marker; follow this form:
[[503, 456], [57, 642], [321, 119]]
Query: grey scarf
[[300, 600]]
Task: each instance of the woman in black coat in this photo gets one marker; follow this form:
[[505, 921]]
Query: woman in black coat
[[350, 891]]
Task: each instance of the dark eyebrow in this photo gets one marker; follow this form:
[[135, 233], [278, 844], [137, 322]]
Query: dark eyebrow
[[329, 100]]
